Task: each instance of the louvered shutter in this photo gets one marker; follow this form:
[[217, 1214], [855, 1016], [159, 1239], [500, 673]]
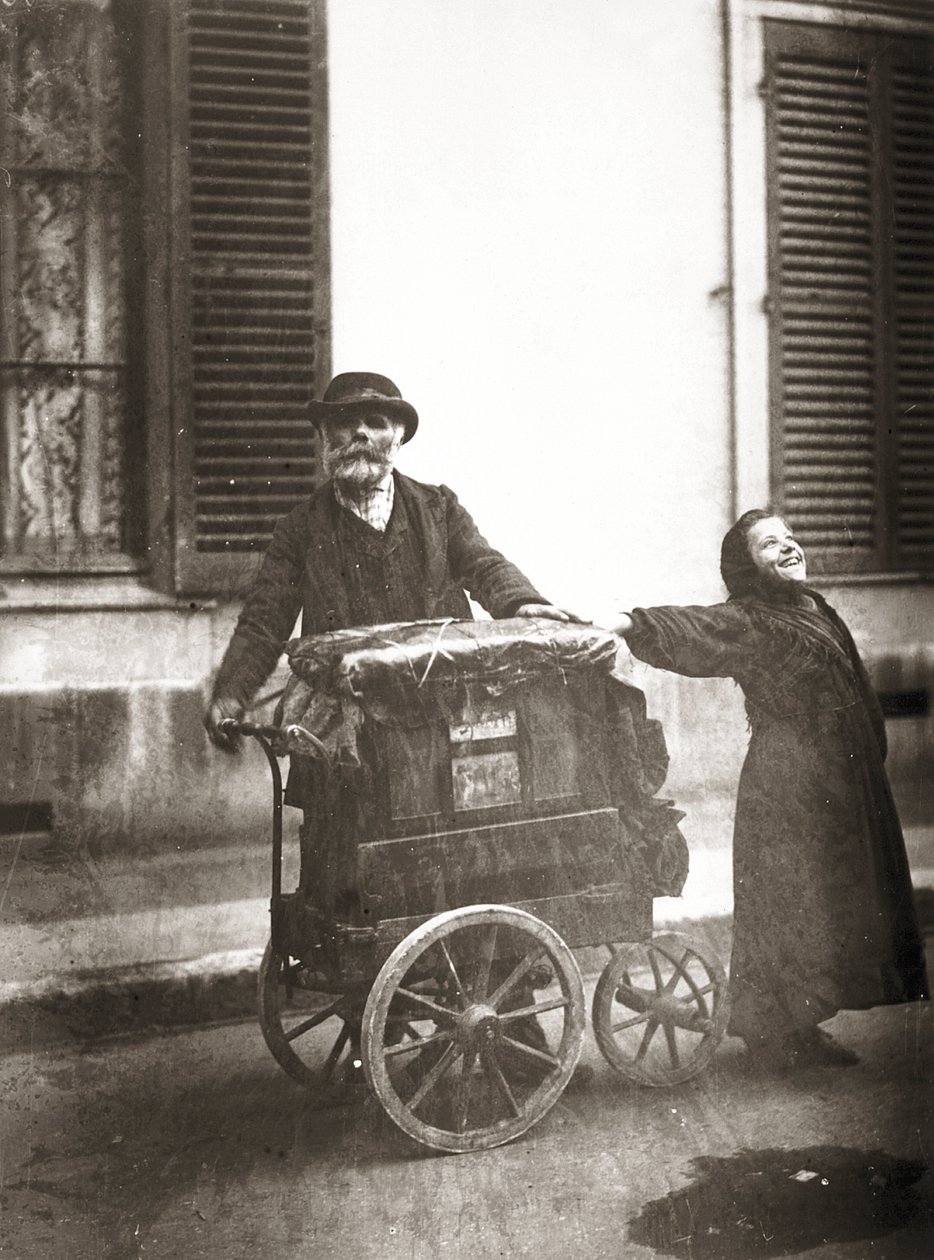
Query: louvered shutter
[[845, 332], [255, 280], [912, 97]]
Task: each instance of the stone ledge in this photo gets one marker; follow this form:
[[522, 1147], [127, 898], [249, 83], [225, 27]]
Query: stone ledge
[[127, 1000], [156, 997], [119, 1002]]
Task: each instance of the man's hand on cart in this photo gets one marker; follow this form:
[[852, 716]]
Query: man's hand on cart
[[224, 709], [550, 613]]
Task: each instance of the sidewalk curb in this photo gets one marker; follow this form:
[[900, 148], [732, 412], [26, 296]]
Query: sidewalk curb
[[150, 998], [121, 1001]]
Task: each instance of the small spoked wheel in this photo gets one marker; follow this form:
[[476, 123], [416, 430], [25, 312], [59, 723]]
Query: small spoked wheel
[[311, 1027], [473, 1027], [660, 1010]]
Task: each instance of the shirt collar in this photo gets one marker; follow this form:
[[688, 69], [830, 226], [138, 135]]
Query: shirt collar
[[373, 506]]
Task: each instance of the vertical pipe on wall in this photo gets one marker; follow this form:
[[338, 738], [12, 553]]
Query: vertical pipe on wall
[[726, 80]]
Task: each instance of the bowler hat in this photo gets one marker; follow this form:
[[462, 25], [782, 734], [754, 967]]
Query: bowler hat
[[355, 393]]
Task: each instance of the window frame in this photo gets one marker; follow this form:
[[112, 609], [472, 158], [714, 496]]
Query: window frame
[[158, 475], [43, 557], [751, 398]]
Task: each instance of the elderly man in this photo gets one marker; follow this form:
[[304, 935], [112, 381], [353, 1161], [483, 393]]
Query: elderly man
[[370, 546]]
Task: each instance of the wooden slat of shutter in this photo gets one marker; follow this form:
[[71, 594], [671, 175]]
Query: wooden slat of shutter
[[257, 274], [912, 97], [822, 282]]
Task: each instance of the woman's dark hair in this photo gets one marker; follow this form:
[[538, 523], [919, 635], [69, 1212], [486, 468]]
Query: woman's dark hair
[[739, 573]]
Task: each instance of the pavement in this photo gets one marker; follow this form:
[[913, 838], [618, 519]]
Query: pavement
[[194, 1145], [143, 1118]]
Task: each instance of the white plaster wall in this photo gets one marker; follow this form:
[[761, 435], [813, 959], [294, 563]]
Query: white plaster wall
[[528, 223]]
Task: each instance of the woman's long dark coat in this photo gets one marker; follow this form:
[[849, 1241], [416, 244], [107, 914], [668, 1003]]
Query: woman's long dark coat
[[824, 916]]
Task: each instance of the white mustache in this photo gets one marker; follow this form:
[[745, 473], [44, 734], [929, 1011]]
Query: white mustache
[[353, 453]]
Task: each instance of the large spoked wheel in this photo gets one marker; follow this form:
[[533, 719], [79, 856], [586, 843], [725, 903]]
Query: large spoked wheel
[[312, 1029], [473, 1027], [660, 1010]]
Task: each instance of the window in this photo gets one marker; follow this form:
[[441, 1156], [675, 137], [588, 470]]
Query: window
[[850, 144], [67, 486], [165, 300]]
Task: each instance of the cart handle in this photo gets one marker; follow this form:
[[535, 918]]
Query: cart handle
[[307, 742], [230, 726], [264, 736], [269, 739]]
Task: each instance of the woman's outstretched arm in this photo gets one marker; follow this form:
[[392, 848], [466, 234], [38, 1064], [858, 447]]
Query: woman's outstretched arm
[[700, 641]]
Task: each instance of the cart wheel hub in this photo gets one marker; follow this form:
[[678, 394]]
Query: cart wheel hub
[[678, 1014], [478, 1026], [667, 1009]]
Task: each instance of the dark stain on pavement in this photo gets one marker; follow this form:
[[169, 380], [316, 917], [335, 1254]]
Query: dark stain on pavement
[[782, 1202]]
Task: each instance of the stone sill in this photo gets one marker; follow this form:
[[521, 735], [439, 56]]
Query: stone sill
[[90, 594], [824, 581]]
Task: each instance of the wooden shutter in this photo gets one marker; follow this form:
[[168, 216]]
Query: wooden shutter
[[912, 129], [844, 359], [250, 315]]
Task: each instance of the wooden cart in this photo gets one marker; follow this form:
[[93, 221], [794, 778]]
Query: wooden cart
[[479, 805]]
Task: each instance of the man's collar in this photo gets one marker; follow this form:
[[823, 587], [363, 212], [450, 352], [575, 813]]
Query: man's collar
[[373, 506]]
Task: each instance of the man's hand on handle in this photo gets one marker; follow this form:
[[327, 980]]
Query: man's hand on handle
[[222, 708]]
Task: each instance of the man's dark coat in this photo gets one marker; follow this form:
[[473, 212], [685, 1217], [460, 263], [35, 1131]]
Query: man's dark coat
[[430, 553]]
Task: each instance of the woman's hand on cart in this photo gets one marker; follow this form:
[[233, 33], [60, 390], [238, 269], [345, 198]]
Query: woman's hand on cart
[[621, 624]]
